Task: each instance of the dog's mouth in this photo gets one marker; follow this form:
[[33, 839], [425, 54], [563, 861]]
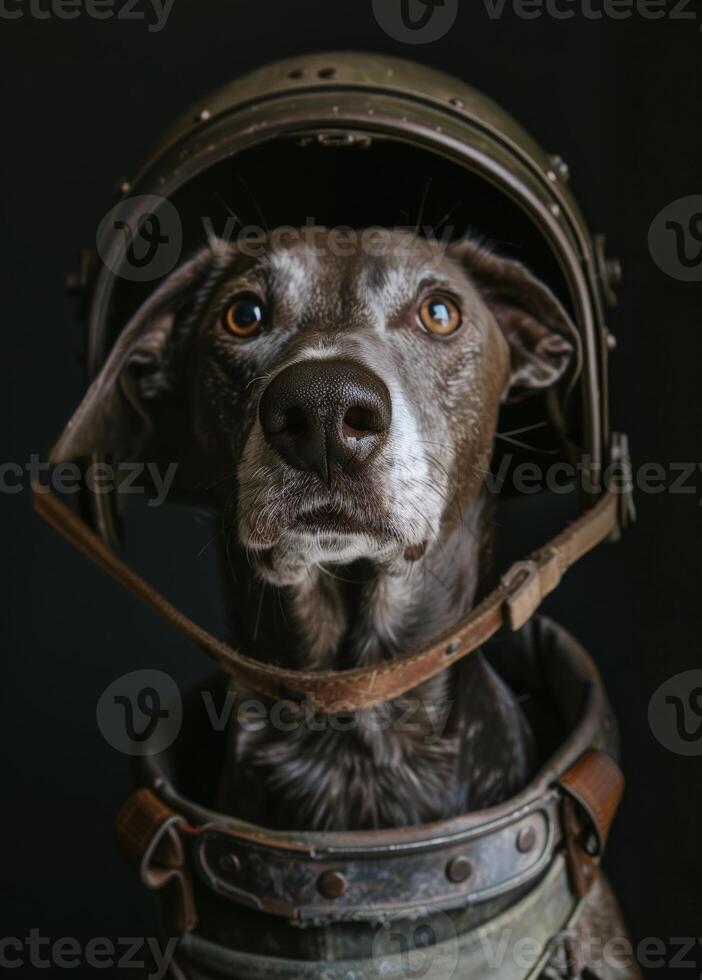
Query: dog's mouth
[[335, 519], [294, 528]]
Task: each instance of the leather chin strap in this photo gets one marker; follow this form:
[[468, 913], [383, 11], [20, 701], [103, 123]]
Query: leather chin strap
[[512, 603]]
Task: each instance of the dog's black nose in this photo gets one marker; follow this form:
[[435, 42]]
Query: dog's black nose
[[322, 415]]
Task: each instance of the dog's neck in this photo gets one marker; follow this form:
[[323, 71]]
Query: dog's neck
[[338, 617], [455, 743]]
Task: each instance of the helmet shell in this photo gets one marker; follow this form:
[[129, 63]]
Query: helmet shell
[[351, 138]]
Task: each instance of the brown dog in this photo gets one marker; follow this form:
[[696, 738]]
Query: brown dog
[[338, 395]]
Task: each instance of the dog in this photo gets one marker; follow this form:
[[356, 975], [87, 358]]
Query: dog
[[340, 393], [336, 395]]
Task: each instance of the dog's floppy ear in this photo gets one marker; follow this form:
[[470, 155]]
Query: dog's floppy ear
[[113, 417], [542, 339]]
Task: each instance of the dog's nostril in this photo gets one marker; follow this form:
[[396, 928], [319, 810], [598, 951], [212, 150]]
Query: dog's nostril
[[290, 421], [359, 421], [295, 421]]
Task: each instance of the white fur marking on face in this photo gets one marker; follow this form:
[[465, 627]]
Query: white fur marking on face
[[417, 508], [400, 284], [319, 349], [294, 278]]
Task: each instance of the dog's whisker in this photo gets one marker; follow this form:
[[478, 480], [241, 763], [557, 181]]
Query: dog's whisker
[[205, 546], [431, 442], [337, 578], [524, 428], [281, 607], [446, 217], [263, 586], [526, 445], [254, 201], [227, 207], [422, 205], [262, 377], [220, 480]]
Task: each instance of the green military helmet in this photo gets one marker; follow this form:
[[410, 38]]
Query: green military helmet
[[346, 139]]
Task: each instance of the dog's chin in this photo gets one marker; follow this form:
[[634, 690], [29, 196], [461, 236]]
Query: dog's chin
[[298, 549], [290, 527], [338, 546], [325, 536]]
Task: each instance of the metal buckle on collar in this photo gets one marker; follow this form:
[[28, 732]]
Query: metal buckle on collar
[[527, 584]]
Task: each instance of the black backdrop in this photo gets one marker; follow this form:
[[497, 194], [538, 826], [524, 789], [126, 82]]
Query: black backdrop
[[82, 100]]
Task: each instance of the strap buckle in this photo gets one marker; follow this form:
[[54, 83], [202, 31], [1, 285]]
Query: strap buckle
[[592, 791], [527, 584], [149, 835]]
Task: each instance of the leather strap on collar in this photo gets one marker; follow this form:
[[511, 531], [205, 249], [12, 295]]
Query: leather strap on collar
[[593, 789], [512, 603], [298, 880]]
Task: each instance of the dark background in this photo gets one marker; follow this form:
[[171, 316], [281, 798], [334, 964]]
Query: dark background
[[82, 102]]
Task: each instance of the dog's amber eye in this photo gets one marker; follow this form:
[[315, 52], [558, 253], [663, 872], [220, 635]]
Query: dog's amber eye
[[244, 316], [440, 315]]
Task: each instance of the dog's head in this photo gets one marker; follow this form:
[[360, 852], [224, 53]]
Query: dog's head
[[343, 388]]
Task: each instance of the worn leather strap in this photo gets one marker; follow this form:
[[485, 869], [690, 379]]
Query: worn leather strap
[[287, 877], [596, 782], [593, 789], [149, 834], [513, 602]]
